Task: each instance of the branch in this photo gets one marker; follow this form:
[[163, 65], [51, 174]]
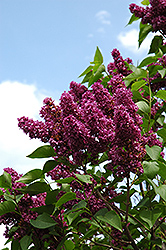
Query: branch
[[105, 245], [159, 223], [128, 200], [142, 191], [119, 211], [131, 238], [123, 212]]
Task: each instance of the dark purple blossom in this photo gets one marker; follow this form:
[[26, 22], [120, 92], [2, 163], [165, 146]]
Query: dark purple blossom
[[154, 15]]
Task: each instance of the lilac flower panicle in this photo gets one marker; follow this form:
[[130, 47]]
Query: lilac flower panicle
[[154, 15], [118, 67]]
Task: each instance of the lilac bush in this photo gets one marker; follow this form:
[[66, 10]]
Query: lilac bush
[[105, 143]]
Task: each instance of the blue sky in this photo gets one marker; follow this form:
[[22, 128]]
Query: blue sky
[[44, 45], [50, 42]]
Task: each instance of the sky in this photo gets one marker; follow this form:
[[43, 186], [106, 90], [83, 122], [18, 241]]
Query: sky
[[44, 45]]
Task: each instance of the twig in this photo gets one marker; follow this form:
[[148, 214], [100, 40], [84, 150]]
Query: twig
[[131, 238], [119, 210], [105, 245], [142, 191], [128, 200], [159, 223]]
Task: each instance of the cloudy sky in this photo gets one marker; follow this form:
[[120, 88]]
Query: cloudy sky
[[44, 45]]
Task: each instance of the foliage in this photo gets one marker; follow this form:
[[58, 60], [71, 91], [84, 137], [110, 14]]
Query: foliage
[[105, 143]]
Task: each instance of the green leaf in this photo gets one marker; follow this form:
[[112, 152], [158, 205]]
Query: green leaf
[[1, 192], [137, 74], [145, 202], [66, 180], [150, 169], [15, 245], [148, 60], [51, 197], [72, 216], [66, 197], [156, 43], [162, 134], [66, 187], [162, 170], [69, 245], [90, 233], [87, 77], [133, 18], [97, 75], [111, 218], [43, 152], [153, 152], [43, 221], [86, 71], [35, 188], [161, 94], [31, 176], [5, 181], [98, 58], [49, 165], [159, 53], [161, 190], [137, 85], [59, 247], [144, 31], [81, 204], [85, 247], [84, 178], [143, 106], [153, 69], [9, 197], [25, 242], [19, 197], [146, 125], [136, 95], [150, 216], [161, 119], [103, 158], [145, 2], [101, 212], [49, 209], [162, 72], [7, 207]]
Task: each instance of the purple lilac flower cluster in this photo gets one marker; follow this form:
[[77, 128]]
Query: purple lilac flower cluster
[[118, 67], [21, 219], [89, 122], [79, 126], [158, 82], [154, 15], [127, 147]]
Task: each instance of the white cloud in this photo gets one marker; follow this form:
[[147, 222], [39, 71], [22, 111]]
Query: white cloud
[[18, 99], [103, 17], [129, 40]]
